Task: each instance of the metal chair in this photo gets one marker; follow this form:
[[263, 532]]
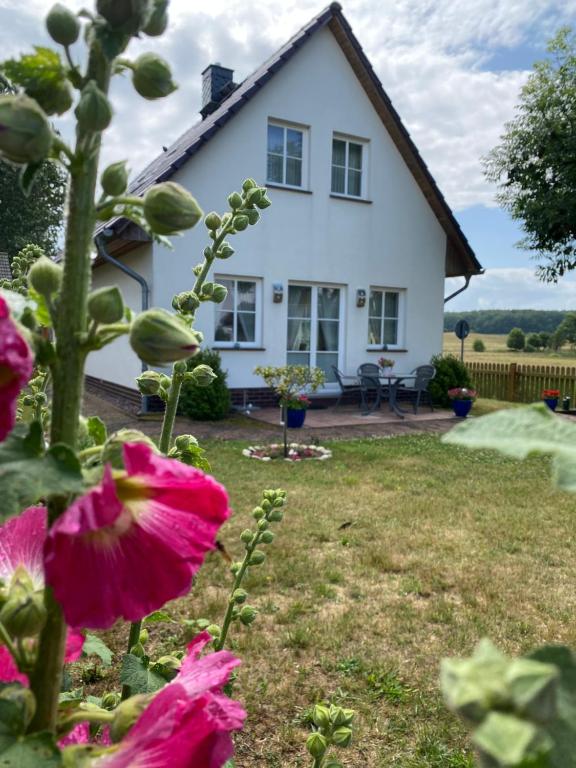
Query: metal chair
[[419, 390], [370, 387], [345, 388]]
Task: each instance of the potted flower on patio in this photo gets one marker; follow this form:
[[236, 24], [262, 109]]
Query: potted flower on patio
[[386, 364], [462, 399], [550, 397], [295, 410]]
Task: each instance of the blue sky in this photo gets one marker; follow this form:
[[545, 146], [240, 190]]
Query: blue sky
[[453, 70]]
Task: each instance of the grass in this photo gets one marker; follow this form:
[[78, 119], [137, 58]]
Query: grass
[[497, 351], [446, 546]]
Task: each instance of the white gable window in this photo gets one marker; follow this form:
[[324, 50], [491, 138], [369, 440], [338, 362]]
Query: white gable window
[[349, 161], [385, 317], [238, 322], [286, 155]]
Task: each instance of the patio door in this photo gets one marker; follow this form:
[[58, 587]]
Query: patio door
[[314, 327]]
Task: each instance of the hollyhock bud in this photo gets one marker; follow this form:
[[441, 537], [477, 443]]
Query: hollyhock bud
[[93, 112], [158, 337], [321, 716], [342, 736], [22, 698], [267, 537], [219, 293], [213, 221], [225, 251], [151, 77], [257, 558], [254, 195], [263, 202], [202, 375], [110, 700], [316, 744], [187, 302], [126, 714], [106, 305], [248, 185], [112, 451], [23, 614], [239, 596], [144, 636], [149, 382], [62, 25], [276, 516], [128, 16], [45, 276], [248, 615], [158, 21], [235, 201], [246, 536], [16, 364], [240, 223], [253, 216], [25, 135], [169, 208], [114, 179]]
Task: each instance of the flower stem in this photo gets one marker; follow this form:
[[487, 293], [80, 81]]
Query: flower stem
[[68, 376], [133, 638]]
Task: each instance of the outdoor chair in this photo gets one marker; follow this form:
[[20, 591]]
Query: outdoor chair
[[370, 392], [418, 392], [371, 372], [345, 388]]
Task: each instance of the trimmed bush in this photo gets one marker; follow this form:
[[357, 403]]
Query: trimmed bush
[[479, 346], [516, 339], [210, 403], [450, 373]]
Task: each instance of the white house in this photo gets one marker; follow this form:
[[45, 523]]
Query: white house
[[352, 255]]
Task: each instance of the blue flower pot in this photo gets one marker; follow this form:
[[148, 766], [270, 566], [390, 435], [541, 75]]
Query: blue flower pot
[[295, 417], [462, 407], [551, 402]]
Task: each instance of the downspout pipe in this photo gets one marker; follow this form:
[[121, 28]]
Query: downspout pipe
[[467, 279], [100, 242]]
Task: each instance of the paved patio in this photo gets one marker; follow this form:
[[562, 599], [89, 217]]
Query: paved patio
[[351, 416]]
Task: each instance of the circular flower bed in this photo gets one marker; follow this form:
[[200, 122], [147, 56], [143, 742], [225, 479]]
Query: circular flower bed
[[296, 452]]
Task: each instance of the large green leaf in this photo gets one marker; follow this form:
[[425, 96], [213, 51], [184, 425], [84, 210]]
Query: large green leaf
[[27, 474], [563, 728], [36, 751], [97, 430], [138, 677], [94, 646], [521, 432]]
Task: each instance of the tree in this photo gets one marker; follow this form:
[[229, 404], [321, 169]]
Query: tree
[[534, 340], [34, 219], [478, 346], [567, 329], [544, 339], [535, 163], [516, 339]]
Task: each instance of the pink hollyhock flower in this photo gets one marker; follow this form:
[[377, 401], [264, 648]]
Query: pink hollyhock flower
[[189, 722], [9, 672], [16, 363], [134, 542]]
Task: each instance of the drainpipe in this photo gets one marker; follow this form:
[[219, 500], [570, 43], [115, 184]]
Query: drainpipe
[[100, 242], [467, 279]]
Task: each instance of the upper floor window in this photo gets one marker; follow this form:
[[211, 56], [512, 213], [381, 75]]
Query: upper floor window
[[286, 155], [348, 173], [238, 317], [384, 317]]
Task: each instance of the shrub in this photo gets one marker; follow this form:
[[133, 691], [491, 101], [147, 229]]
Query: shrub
[[450, 373], [516, 339], [210, 403], [479, 346], [533, 340], [530, 348]]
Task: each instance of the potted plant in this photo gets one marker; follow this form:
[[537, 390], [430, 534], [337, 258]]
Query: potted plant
[[462, 400], [295, 410], [550, 397], [386, 364]]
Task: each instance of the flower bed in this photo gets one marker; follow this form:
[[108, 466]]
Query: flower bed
[[296, 452]]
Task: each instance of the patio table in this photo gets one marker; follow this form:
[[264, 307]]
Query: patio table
[[392, 381]]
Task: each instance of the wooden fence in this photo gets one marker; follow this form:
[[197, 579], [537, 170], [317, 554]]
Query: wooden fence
[[520, 383]]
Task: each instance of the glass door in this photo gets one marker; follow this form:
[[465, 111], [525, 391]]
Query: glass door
[[314, 328]]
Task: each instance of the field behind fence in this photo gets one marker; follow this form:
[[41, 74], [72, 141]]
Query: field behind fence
[[521, 383]]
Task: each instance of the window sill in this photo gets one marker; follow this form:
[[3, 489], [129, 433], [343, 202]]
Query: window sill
[[286, 188], [238, 349], [383, 351], [351, 198]]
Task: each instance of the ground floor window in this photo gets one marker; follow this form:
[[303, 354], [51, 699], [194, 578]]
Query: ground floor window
[[314, 327], [238, 317], [385, 307]]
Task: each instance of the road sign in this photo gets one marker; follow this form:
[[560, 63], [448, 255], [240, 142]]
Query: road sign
[[461, 329]]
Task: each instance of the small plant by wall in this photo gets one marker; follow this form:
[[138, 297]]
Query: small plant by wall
[[450, 373], [206, 403]]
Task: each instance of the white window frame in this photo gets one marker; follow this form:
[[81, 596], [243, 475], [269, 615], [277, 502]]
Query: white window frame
[[365, 144], [303, 129], [400, 336], [234, 344]]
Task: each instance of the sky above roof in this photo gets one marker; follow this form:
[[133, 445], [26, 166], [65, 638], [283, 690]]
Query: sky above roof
[[453, 71]]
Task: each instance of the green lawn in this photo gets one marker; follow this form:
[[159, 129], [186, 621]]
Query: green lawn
[[442, 547]]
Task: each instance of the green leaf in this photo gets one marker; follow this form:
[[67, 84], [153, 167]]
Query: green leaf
[[138, 677], [28, 475], [522, 432], [40, 308], [563, 728], [97, 430], [157, 616], [36, 751], [94, 646]]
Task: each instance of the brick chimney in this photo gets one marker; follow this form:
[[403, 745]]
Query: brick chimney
[[217, 84]]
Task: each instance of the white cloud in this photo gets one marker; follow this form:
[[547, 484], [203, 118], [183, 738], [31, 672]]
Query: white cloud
[[429, 54], [512, 289]]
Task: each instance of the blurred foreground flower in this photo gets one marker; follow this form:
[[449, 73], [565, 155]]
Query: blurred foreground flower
[[135, 541], [16, 363], [189, 721]]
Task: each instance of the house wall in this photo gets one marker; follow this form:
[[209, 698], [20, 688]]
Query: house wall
[[394, 241], [117, 362]]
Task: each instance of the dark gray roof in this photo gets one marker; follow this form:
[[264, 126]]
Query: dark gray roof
[[5, 271], [178, 153]]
